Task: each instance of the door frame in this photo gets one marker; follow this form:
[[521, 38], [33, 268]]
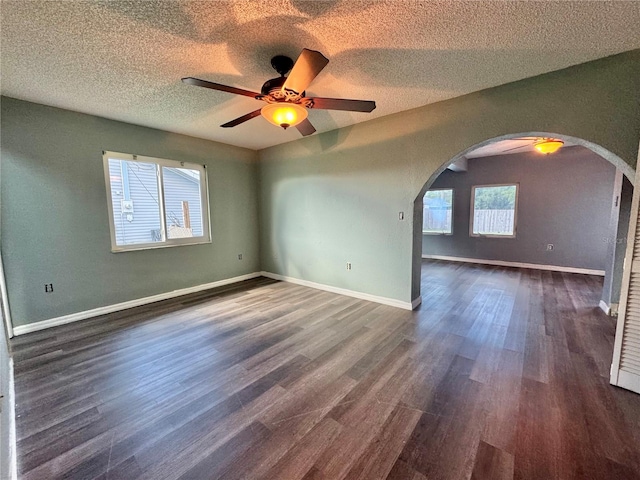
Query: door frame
[[618, 377], [6, 313]]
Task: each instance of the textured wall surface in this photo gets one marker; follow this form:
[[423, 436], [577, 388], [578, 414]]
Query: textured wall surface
[[335, 197], [55, 226], [563, 199]]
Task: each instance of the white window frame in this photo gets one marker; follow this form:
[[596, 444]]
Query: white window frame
[[159, 162], [453, 201], [473, 206]]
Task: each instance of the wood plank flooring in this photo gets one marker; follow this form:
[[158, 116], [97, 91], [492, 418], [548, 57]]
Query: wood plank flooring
[[500, 374]]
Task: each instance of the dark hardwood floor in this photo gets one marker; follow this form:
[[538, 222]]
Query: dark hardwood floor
[[501, 374]]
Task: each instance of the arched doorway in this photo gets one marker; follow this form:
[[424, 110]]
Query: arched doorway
[[615, 160]]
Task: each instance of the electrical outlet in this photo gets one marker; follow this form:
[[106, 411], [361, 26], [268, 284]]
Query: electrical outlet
[[348, 265], [401, 216], [549, 247], [48, 287], [239, 256]]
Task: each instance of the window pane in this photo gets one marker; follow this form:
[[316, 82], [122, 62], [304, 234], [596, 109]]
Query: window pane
[[148, 213], [494, 210], [135, 201], [437, 211], [182, 202]]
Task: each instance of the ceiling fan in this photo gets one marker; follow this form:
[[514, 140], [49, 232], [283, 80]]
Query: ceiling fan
[[287, 104], [542, 145]]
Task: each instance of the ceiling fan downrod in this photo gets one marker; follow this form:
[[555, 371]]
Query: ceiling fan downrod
[[282, 64]]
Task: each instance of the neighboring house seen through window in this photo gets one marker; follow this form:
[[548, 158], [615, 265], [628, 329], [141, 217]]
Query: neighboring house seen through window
[[155, 202], [494, 210], [437, 212]]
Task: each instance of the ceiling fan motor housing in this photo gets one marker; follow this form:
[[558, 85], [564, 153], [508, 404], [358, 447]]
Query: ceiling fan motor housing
[[273, 84], [273, 88]]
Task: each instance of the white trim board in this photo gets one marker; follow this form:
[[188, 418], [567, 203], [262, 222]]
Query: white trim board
[[416, 302], [5, 301], [604, 307], [392, 302], [74, 317], [11, 405], [500, 263]]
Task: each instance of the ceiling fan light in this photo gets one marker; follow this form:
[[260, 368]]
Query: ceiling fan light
[[284, 114], [548, 146]]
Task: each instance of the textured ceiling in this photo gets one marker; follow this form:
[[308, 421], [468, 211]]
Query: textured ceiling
[[124, 60]]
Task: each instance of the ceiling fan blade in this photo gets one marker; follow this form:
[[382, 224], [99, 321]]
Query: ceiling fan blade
[[242, 119], [217, 86], [309, 64], [343, 104], [516, 148], [305, 127]]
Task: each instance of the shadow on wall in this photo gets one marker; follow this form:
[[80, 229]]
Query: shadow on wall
[[300, 220], [349, 142], [332, 215]]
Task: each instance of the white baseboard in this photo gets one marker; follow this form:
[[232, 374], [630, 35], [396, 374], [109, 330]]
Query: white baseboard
[[613, 309], [343, 291], [416, 302], [500, 263], [74, 317]]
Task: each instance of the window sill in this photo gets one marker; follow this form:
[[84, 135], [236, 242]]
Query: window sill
[[151, 246], [476, 235]]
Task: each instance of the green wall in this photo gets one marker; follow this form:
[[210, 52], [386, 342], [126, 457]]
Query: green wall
[[55, 226], [320, 202], [335, 197]]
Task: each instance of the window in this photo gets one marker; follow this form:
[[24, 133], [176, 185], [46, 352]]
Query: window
[[437, 212], [493, 210], [155, 203]]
